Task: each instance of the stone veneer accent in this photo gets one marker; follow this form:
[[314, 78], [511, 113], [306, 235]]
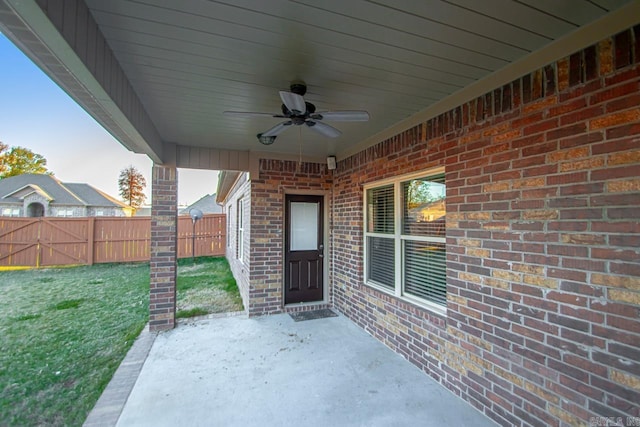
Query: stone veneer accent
[[164, 235]]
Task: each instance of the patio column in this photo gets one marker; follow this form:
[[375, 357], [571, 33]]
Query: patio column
[[164, 234]]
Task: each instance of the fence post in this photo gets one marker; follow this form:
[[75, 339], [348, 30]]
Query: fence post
[[91, 241], [38, 246]]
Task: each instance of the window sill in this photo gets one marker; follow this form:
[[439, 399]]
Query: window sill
[[432, 308]]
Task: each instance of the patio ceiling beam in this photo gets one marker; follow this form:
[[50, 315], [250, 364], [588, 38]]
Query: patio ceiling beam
[[63, 39], [215, 159]]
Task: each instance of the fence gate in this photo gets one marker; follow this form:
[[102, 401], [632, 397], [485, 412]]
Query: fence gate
[[39, 242]]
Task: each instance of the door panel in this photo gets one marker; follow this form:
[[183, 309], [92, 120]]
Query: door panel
[[304, 249]]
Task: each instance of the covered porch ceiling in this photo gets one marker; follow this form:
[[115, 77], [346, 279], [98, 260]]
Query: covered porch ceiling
[[158, 74]]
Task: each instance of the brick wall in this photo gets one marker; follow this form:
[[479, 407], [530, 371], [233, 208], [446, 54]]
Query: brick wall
[[239, 268], [164, 234], [543, 242], [277, 177]]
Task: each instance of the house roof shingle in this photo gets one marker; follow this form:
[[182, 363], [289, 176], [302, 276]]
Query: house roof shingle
[[207, 204], [72, 194]]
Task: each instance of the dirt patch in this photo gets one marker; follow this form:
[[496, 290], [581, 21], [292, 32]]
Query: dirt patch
[[211, 299]]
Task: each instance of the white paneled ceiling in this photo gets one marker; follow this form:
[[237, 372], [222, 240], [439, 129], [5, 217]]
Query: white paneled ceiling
[[190, 60]]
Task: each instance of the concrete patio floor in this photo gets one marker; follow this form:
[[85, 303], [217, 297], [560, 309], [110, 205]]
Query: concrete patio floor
[[272, 371]]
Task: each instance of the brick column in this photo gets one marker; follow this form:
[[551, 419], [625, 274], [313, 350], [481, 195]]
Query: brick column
[[164, 233]]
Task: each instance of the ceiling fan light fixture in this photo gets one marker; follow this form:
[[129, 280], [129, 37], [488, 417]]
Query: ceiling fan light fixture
[[266, 140]]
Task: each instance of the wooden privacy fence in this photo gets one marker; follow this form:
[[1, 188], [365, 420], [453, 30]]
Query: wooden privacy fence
[[39, 242]]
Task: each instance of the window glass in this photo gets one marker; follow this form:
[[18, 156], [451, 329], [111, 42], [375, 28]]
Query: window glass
[[424, 207], [380, 209], [381, 261], [304, 226], [425, 270]]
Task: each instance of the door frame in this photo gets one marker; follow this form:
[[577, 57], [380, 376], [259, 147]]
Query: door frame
[[325, 237]]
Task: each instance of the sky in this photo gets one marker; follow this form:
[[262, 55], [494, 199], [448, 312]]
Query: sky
[[36, 114]]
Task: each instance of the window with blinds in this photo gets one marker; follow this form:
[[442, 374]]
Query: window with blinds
[[405, 235], [380, 210], [380, 242]]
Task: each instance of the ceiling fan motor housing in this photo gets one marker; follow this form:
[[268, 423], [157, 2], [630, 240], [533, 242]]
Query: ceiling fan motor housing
[[298, 88], [299, 119]]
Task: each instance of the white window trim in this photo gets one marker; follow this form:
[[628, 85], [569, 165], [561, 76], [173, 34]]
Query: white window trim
[[240, 230], [229, 224], [398, 238]]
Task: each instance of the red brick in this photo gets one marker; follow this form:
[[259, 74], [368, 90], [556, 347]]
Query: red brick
[[616, 227], [631, 325], [623, 49], [615, 173], [606, 56], [578, 189], [582, 139], [540, 126], [567, 178], [581, 115], [581, 90], [623, 131], [540, 171], [614, 93], [615, 119], [615, 334]]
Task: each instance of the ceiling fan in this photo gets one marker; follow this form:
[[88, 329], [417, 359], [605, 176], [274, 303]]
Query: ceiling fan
[[298, 112]]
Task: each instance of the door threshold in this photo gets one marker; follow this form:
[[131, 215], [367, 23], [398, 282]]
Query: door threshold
[[305, 306]]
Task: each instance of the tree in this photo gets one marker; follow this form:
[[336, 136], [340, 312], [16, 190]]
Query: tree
[[132, 185], [3, 147], [418, 192], [20, 160]]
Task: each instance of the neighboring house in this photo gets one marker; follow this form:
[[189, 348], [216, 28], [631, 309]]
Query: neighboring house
[[37, 195], [207, 204], [143, 211]]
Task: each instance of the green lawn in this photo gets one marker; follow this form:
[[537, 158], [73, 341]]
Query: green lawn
[[64, 331], [206, 286]]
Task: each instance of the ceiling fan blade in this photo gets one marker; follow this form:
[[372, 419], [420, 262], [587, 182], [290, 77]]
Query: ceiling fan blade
[[278, 129], [323, 129], [342, 116], [293, 102], [250, 114]]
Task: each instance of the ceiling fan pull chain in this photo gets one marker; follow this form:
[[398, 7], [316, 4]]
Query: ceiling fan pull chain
[[300, 144]]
